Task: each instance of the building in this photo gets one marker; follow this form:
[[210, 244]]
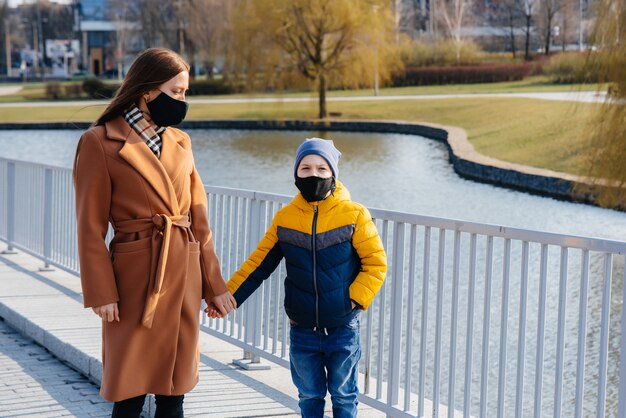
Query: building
[[104, 37]]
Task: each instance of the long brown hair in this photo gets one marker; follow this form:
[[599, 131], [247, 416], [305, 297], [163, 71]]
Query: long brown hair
[[151, 68]]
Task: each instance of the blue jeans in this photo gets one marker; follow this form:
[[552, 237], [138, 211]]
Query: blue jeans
[[320, 362]]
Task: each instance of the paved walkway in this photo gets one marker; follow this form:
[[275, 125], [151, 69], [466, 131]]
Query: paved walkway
[[47, 308], [583, 96], [34, 383]]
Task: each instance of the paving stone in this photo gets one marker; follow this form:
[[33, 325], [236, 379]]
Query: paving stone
[[41, 385]]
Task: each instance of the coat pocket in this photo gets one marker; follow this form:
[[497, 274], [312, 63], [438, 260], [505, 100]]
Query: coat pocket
[[131, 267], [132, 246]]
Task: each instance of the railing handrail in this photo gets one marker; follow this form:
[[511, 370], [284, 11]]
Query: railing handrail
[[501, 231], [43, 165], [418, 259]]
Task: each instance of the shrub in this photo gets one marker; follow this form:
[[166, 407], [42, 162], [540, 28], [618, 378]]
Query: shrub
[[440, 54], [462, 75], [96, 89], [210, 87], [571, 68], [53, 91], [73, 90]]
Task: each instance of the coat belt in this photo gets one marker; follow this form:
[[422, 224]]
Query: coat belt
[[161, 225]]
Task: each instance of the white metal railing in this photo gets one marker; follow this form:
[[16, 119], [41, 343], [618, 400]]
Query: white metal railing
[[473, 319]]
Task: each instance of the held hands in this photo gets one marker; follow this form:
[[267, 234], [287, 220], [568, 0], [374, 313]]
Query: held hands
[[221, 305], [108, 312]]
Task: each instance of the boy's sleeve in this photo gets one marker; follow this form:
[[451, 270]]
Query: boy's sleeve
[[258, 267], [370, 249]]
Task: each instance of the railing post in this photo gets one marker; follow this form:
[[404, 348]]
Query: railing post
[[396, 316], [10, 208], [47, 220], [252, 317], [621, 400]]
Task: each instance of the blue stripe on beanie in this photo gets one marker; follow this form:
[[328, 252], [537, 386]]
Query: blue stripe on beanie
[[325, 148]]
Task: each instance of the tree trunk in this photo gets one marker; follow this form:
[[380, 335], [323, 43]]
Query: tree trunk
[[548, 35], [511, 24], [564, 32], [547, 45], [527, 45], [322, 91]]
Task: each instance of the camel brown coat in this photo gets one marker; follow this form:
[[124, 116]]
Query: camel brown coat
[[160, 263]]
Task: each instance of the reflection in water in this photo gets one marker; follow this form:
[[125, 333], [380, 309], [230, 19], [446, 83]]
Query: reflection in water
[[412, 174]]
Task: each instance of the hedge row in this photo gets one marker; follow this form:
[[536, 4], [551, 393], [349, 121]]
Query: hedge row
[[211, 87], [424, 76], [97, 89]]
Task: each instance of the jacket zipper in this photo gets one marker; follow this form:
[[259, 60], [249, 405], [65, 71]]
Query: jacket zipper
[[313, 246]]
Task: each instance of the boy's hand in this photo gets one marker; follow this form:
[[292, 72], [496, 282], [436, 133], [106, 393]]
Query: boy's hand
[[212, 311], [221, 305], [353, 304]]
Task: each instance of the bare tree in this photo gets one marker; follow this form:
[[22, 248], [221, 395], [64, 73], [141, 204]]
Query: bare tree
[[512, 8], [420, 15], [413, 19], [397, 9], [207, 29], [547, 12], [157, 26], [324, 41], [528, 12], [455, 13], [316, 41], [119, 11], [5, 35], [568, 18]]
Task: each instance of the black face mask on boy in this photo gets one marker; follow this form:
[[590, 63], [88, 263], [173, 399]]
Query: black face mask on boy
[[313, 188], [167, 111]]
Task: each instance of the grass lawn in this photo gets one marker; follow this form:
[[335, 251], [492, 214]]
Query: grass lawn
[[540, 133], [36, 91]]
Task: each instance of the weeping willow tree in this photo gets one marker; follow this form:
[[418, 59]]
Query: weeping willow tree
[[341, 43], [607, 165]]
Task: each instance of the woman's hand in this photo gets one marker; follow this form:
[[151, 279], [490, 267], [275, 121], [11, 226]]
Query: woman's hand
[[108, 312], [221, 305]]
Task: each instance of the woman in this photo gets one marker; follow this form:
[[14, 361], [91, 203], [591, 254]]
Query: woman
[[132, 169]]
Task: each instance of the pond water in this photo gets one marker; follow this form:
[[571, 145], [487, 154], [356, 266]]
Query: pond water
[[390, 171]]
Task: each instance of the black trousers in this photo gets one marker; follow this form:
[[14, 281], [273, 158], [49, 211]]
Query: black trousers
[[166, 407]]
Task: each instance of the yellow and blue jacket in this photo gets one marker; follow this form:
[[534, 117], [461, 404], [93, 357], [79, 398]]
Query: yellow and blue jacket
[[333, 255]]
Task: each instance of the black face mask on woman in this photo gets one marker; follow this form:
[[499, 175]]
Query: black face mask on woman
[[313, 188], [167, 111]]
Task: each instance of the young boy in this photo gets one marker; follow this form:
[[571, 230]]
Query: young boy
[[335, 263]]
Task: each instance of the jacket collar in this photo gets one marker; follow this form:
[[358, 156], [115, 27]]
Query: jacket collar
[[339, 195], [159, 173]]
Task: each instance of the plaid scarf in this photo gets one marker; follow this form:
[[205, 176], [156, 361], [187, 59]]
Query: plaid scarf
[[151, 136]]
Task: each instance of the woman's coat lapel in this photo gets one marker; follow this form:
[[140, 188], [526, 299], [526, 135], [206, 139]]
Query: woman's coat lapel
[[159, 173]]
